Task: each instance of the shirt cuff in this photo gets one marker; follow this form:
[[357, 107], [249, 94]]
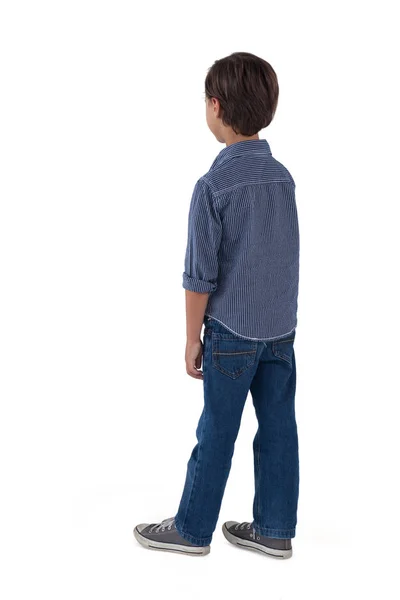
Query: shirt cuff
[[197, 285]]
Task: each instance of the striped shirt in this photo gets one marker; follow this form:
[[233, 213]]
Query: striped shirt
[[243, 242]]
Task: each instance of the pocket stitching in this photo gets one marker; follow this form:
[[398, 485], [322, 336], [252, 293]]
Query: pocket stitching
[[216, 338], [281, 355]]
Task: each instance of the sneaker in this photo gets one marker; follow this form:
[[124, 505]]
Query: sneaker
[[164, 536], [245, 536]]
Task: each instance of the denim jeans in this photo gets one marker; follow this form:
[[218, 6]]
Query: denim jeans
[[231, 367]]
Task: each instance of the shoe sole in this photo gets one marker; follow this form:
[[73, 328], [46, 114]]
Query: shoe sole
[[249, 545], [188, 550]]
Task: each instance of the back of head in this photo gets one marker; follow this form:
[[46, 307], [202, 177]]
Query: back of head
[[247, 89]]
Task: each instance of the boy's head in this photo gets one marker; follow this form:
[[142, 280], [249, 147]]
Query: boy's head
[[241, 94]]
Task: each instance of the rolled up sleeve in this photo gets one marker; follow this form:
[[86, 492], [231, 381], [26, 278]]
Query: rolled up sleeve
[[203, 241]]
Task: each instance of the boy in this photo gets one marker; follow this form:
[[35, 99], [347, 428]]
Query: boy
[[241, 280]]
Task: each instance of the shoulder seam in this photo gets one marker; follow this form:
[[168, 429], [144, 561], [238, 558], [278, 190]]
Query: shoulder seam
[[238, 185], [207, 185]]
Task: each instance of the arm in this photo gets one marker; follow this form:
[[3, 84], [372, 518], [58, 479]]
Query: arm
[[201, 269], [196, 304]]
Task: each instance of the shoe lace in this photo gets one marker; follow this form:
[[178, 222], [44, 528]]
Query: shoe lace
[[166, 523], [243, 525], [247, 525]]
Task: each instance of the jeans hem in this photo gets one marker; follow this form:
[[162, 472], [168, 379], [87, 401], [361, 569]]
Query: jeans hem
[[275, 533], [190, 538]]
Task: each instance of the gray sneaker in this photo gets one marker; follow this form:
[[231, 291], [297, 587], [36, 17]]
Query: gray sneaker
[[245, 536], [164, 536]]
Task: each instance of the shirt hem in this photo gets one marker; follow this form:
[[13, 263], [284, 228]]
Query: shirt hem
[[251, 338]]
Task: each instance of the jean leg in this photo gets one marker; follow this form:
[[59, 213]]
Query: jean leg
[[275, 445], [210, 461]]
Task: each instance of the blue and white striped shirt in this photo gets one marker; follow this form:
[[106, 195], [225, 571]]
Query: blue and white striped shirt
[[243, 242]]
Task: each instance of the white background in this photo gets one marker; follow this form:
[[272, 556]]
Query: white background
[[103, 136]]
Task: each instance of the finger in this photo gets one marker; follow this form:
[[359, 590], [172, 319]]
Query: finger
[[193, 372], [198, 361]]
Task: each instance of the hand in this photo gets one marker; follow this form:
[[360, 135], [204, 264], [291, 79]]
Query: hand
[[193, 358]]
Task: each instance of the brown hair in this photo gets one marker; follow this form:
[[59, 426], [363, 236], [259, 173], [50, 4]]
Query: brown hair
[[247, 89]]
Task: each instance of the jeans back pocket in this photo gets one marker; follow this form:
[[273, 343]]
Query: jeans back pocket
[[232, 355], [283, 348]]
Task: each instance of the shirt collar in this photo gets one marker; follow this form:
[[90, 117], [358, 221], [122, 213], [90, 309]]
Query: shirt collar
[[259, 146]]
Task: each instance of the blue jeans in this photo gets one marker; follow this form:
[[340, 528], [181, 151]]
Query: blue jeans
[[231, 367]]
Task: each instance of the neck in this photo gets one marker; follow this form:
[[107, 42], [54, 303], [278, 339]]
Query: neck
[[232, 138]]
